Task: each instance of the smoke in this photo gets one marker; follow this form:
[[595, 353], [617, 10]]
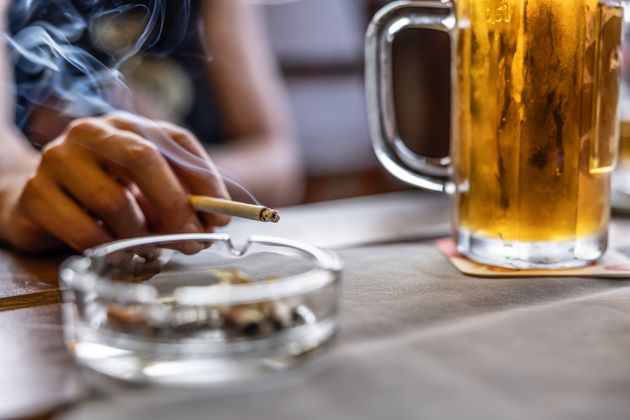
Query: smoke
[[54, 68], [51, 66]]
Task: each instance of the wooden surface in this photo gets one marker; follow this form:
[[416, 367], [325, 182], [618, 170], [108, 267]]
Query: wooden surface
[[27, 281]]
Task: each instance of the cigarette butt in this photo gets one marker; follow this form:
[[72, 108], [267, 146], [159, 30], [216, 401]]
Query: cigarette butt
[[234, 208], [247, 320]]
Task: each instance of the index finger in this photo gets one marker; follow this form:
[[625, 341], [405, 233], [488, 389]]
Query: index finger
[[190, 160]]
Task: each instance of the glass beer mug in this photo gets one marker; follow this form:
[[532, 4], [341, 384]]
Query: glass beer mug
[[621, 176], [534, 123]]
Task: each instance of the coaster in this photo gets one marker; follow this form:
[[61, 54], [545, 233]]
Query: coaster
[[615, 264]]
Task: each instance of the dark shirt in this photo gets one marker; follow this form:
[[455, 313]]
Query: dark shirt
[[59, 62]]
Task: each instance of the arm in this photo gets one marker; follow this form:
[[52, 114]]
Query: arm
[[18, 161], [262, 151]]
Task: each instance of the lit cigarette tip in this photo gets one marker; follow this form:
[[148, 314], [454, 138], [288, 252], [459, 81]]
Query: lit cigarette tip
[[269, 215]]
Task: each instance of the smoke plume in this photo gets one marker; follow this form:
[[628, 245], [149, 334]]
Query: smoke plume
[[47, 42]]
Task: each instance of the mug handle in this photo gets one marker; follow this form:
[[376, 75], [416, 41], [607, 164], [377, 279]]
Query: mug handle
[[397, 158]]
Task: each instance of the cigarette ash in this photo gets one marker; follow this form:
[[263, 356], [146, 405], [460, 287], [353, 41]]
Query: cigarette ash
[[255, 320], [269, 215]]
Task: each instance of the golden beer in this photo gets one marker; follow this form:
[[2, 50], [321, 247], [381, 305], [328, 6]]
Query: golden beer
[[536, 118], [535, 125], [624, 145], [621, 177]]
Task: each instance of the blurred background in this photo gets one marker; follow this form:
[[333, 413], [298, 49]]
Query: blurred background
[[319, 46]]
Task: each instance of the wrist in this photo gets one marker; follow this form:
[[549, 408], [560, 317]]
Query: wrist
[[18, 163]]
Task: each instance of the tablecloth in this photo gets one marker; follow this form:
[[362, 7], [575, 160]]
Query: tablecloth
[[419, 340]]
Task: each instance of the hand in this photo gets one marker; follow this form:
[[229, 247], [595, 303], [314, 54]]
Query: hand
[[108, 178]]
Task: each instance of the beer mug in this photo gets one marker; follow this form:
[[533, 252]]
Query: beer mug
[[621, 176], [535, 93]]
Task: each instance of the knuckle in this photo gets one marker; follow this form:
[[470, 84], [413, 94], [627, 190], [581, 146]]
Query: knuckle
[[141, 154], [127, 121], [178, 132], [183, 133], [119, 117], [55, 154], [82, 126], [186, 138], [113, 206]]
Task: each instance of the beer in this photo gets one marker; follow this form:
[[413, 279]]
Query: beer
[[535, 133], [536, 118], [621, 176], [624, 145]]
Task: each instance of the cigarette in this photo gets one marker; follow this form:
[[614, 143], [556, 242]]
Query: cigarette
[[234, 208]]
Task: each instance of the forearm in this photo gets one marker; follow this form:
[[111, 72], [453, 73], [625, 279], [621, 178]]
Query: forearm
[[262, 148], [18, 160]]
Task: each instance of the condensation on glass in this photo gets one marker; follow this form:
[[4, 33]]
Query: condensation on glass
[[535, 119]]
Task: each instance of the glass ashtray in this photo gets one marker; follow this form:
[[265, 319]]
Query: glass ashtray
[[195, 309]]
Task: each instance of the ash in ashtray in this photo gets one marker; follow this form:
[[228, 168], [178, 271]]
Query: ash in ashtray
[[244, 320]]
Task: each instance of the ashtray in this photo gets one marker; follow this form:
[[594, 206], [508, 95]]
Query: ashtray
[[195, 309]]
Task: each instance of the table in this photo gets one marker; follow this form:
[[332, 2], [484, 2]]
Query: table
[[418, 339]]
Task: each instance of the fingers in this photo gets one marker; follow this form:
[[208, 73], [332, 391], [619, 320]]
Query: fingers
[[80, 176], [201, 183], [78, 194], [44, 202], [140, 161], [187, 156]]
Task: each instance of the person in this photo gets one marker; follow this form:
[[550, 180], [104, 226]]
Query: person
[[104, 177]]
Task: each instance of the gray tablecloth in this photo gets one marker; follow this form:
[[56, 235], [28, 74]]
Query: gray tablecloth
[[421, 341]]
